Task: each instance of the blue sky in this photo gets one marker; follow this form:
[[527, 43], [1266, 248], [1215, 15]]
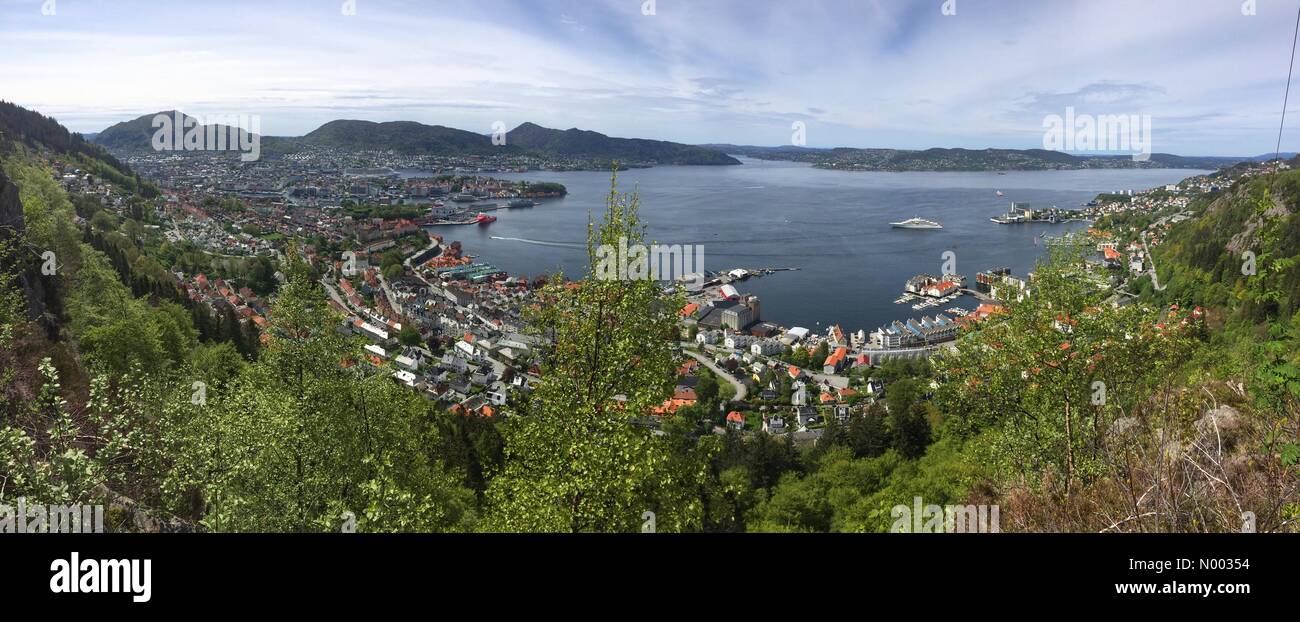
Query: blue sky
[[861, 73]]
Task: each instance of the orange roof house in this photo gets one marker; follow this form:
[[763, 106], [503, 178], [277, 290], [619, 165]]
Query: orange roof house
[[837, 358]]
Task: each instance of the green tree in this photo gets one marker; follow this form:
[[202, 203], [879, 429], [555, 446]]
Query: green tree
[[910, 429], [866, 434], [1049, 378], [706, 389], [298, 441], [573, 460], [409, 336]]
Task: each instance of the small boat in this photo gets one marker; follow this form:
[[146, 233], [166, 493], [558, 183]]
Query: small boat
[[999, 192], [484, 219]]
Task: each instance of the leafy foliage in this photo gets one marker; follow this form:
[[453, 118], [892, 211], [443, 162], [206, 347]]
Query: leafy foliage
[[573, 462]]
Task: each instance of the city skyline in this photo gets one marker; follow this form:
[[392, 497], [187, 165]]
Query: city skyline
[[875, 74]]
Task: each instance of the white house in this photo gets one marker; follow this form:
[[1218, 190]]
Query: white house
[[737, 341], [708, 337], [406, 362], [454, 363], [407, 378]]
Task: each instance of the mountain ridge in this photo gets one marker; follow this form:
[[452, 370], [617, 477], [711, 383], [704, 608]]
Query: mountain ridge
[[415, 138], [963, 159]]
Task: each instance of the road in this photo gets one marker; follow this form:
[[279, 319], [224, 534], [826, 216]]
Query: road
[[1155, 280], [834, 380], [741, 389]]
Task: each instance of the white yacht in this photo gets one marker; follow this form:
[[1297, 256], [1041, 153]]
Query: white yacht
[[916, 223]]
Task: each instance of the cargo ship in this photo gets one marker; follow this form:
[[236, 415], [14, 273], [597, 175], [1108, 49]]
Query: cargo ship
[[916, 223]]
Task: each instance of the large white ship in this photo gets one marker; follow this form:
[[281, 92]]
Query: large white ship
[[916, 223]]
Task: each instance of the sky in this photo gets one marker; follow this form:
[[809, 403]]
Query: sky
[[907, 74]]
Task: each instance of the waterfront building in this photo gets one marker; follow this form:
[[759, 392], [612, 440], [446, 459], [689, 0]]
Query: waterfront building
[[915, 333], [984, 281], [737, 317], [917, 284]]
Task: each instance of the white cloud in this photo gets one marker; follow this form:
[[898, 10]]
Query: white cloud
[[883, 73]]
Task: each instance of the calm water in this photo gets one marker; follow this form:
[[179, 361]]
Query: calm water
[[832, 225]]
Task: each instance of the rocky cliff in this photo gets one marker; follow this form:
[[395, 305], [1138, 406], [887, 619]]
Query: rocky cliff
[[36, 291]]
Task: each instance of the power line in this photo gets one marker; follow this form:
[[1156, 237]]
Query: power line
[[1277, 154]]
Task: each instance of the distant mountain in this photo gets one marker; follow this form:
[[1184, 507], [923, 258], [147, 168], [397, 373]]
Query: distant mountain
[[941, 159], [1265, 157], [411, 138], [129, 135], [753, 151], [406, 137], [576, 143], [137, 134]]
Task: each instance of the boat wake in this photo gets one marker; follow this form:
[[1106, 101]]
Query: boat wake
[[538, 242]]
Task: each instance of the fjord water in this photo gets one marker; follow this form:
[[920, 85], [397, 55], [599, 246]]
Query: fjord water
[[832, 225]]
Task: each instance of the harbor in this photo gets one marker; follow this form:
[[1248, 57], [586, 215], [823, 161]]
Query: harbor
[[850, 261]]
